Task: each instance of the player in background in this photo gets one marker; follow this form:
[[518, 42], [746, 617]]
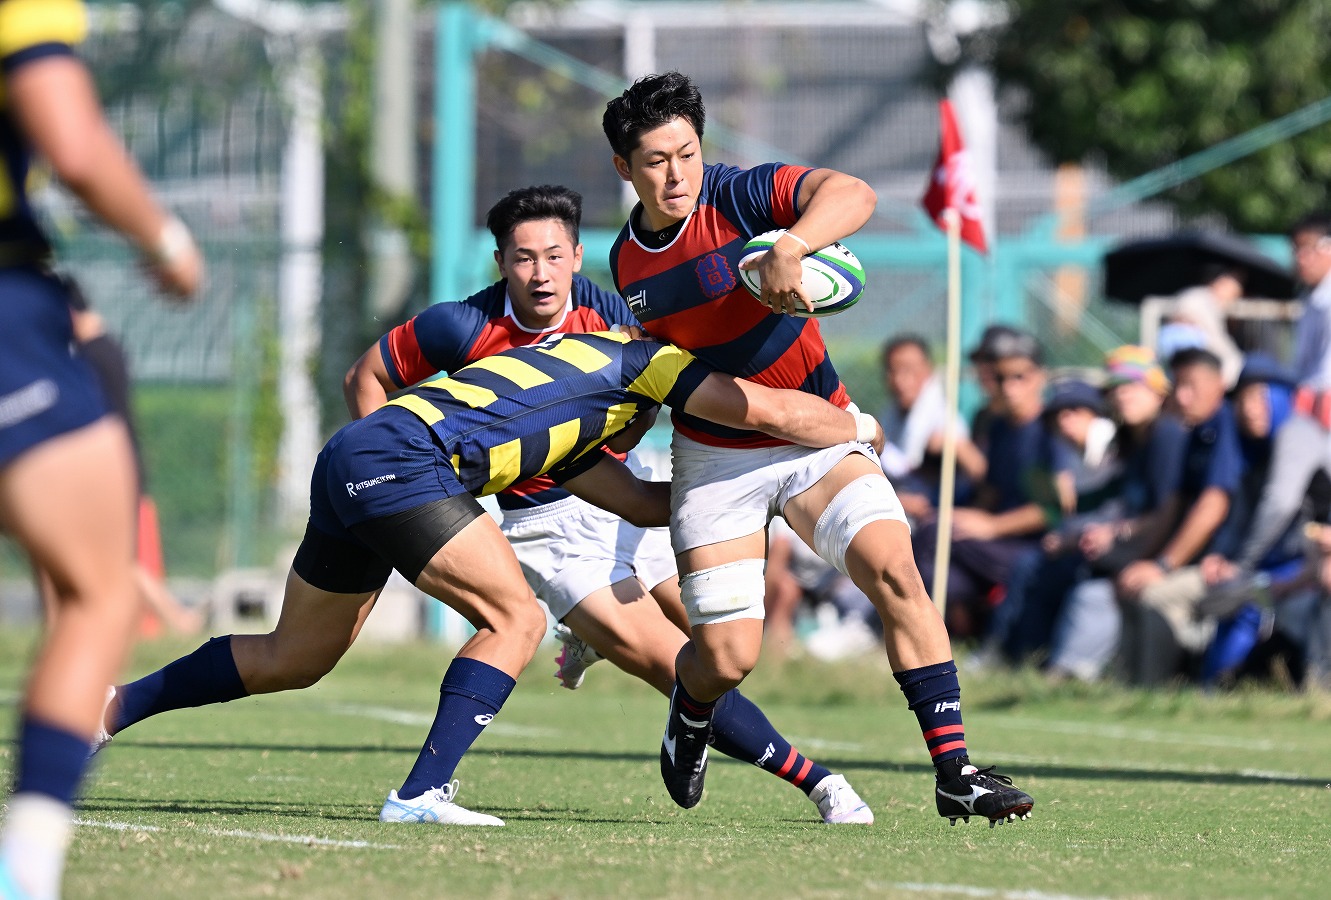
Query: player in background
[[397, 489], [675, 261], [599, 575], [67, 482]]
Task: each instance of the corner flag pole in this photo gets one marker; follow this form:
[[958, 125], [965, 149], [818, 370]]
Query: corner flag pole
[[952, 383]]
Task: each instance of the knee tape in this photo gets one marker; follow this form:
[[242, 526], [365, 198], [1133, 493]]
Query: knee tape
[[866, 499], [724, 593]]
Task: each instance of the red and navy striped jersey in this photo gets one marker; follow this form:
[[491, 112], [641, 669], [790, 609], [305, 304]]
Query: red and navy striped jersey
[[688, 292], [548, 407], [448, 336], [29, 30]]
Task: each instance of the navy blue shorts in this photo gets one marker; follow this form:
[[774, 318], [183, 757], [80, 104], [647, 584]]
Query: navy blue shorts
[[383, 494], [45, 390]]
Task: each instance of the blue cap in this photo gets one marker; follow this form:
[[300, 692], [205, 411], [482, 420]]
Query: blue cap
[[1262, 368], [1074, 394]]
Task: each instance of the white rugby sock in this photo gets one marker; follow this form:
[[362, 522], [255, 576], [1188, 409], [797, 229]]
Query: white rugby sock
[[32, 845]]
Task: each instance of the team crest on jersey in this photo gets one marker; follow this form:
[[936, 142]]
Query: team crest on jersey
[[715, 276]]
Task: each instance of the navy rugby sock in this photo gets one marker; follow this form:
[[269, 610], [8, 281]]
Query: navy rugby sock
[[933, 694], [740, 730], [469, 697], [208, 675], [51, 761]]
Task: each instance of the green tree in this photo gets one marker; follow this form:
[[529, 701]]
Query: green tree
[[1138, 84]]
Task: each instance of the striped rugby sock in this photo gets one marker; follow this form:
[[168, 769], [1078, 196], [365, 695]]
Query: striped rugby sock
[[741, 731], [933, 694]]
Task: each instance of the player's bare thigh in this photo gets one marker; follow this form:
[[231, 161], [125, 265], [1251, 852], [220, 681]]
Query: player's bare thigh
[[624, 623], [70, 502], [477, 575]]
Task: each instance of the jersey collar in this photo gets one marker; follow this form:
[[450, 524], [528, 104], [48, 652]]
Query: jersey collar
[[508, 311]]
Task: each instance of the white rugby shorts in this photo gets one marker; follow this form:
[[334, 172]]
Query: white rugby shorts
[[722, 493], [570, 549]]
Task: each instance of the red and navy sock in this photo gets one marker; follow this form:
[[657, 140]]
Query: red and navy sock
[[740, 730], [934, 695], [208, 675], [51, 761], [691, 707], [469, 697]]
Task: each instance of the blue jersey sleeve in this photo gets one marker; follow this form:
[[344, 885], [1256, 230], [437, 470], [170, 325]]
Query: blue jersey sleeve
[[607, 304], [759, 199], [437, 340]]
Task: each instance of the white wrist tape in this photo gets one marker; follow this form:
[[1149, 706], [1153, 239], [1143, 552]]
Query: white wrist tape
[[866, 426], [173, 240]]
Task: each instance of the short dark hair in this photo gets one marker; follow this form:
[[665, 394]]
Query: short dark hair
[[1319, 222], [530, 204], [1195, 356], [905, 339], [651, 102]]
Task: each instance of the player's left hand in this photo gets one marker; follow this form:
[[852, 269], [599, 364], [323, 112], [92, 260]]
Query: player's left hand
[[781, 275]]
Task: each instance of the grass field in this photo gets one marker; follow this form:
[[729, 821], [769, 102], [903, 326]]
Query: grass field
[[1159, 795]]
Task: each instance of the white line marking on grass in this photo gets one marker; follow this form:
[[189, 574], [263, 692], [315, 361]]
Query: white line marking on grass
[[1127, 766], [1145, 735], [966, 890], [813, 743], [303, 839], [403, 717]]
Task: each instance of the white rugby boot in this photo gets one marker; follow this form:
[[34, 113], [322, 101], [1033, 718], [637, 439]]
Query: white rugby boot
[[434, 807], [839, 804]]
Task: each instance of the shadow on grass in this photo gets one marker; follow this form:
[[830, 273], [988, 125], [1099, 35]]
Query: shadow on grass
[[1076, 773]]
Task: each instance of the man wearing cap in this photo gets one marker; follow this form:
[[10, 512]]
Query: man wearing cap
[[1157, 595], [1082, 611], [1304, 445], [1006, 520]]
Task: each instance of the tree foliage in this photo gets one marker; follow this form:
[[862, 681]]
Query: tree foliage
[[1138, 84]]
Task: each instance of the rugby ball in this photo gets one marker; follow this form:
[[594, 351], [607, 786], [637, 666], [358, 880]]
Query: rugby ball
[[833, 276]]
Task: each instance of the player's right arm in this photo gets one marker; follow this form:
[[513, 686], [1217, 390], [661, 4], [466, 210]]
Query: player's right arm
[[51, 97], [367, 384], [440, 339], [794, 416]]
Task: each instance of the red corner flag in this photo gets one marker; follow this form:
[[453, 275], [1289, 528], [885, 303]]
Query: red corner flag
[[952, 184]]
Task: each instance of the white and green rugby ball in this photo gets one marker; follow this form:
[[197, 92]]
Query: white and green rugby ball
[[833, 276]]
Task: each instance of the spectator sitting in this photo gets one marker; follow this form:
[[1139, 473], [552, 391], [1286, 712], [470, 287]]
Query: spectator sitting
[[1076, 412], [914, 424], [1007, 520], [1158, 625], [1205, 309], [982, 363], [1071, 601]]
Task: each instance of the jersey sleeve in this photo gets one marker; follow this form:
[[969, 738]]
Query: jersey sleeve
[[663, 372], [608, 305], [764, 194], [438, 340], [33, 29]]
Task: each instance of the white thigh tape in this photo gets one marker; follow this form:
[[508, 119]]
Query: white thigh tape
[[866, 499], [723, 593]]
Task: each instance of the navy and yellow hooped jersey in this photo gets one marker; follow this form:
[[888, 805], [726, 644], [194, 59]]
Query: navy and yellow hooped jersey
[[544, 407], [29, 30]]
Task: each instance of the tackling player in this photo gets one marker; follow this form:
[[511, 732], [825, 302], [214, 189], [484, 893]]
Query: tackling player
[[596, 573], [676, 262], [397, 489]]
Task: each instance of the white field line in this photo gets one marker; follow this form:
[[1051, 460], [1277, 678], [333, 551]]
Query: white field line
[[966, 890], [302, 839], [420, 720]]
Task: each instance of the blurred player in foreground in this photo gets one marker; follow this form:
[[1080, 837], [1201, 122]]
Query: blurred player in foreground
[[397, 489], [600, 576], [676, 262], [67, 482]]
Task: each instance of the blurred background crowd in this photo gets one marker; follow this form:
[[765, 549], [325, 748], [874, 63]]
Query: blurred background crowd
[[1161, 516]]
